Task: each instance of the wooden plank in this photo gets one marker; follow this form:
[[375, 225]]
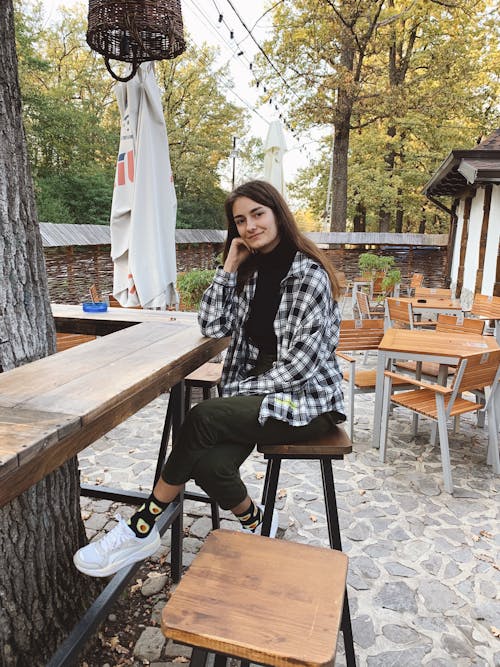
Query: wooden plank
[[25, 433], [45, 375], [54, 235], [484, 238]]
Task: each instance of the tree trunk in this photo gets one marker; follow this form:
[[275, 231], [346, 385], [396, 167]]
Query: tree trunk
[[343, 113], [359, 220], [41, 593]]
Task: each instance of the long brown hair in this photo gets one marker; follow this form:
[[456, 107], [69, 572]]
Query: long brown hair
[[266, 194]]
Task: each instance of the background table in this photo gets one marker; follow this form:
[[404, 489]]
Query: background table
[[422, 345], [73, 319], [433, 305]]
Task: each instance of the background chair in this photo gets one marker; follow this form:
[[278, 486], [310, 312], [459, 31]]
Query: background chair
[[487, 308], [439, 403], [361, 302], [399, 314], [416, 281], [359, 336]]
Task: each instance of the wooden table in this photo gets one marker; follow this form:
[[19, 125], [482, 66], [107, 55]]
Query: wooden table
[[73, 319], [53, 408], [62, 403], [433, 305], [422, 345]]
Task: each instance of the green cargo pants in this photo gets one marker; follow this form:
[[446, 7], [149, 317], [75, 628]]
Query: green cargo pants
[[219, 434]]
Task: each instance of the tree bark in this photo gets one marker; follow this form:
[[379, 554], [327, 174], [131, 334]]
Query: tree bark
[[41, 593]]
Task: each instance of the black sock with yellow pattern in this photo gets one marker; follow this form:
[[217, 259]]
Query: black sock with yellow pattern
[[251, 517], [144, 519]]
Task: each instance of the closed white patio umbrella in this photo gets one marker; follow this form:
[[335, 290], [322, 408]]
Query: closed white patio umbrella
[[274, 150], [144, 206]]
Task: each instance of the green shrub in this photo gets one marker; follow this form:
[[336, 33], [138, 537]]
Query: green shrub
[[191, 286]]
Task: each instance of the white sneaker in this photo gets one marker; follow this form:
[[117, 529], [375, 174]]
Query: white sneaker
[[120, 547], [258, 530]]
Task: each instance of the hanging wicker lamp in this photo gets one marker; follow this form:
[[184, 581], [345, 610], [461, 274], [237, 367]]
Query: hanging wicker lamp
[[135, 31]]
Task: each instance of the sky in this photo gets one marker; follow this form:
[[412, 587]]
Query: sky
[[201, 21]]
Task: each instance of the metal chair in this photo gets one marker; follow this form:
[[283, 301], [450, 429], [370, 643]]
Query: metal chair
[[439, 403], [359, 336], [400, 314]]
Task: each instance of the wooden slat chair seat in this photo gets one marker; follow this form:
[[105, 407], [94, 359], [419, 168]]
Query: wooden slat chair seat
[[332, 446], [365, 379], [478, 372], [358, 336], [262, 601]]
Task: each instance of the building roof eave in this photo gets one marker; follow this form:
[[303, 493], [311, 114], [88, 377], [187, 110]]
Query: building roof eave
[[462, 169]]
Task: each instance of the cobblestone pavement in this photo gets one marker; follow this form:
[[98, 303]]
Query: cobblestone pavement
[[424, 567]]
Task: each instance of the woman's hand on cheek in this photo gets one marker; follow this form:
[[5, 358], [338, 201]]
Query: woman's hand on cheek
[[238, 253]]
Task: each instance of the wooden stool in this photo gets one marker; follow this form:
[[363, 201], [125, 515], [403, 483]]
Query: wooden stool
[[330, 447], [207, 376], [265, 601]]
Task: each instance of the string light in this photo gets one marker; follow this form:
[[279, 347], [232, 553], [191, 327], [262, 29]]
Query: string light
[[241, 53]]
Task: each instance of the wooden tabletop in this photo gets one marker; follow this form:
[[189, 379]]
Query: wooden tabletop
[[60, 404], [435, 343], [73, 319], [435, 303]]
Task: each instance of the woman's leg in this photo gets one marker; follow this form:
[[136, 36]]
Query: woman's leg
[[217, 437]]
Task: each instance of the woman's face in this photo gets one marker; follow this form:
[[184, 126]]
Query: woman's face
[[256, 225]]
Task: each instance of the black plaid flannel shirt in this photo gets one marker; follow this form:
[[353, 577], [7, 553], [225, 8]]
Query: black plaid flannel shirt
[[305, 381]]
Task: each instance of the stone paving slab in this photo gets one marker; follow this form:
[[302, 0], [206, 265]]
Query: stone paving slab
[[424, 568]]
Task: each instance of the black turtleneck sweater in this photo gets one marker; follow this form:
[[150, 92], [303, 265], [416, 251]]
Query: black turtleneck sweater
[[272, 267]]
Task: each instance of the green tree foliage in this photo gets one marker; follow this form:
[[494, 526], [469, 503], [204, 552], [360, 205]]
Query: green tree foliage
[[201, 124], [422, 82], [73, 124]]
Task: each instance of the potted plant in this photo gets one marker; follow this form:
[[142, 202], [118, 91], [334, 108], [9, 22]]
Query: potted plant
[[379, 270]]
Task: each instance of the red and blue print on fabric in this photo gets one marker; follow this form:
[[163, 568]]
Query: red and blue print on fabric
[[125, 168]]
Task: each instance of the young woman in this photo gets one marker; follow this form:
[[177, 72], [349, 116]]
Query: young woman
[[275, 296]]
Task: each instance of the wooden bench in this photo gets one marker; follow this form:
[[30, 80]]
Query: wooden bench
[[263, 601]]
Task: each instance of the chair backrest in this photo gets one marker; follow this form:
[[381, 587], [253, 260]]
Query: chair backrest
[[416, 280], [481, 370], [363, 304], [360, 335], [455, 324], [486, 306], [436, 292], [94, 293], [399, 313]]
